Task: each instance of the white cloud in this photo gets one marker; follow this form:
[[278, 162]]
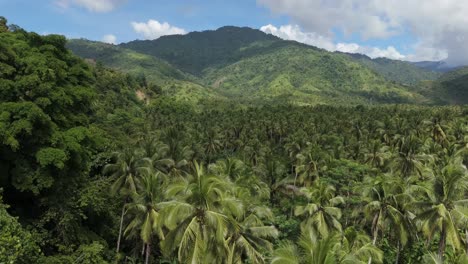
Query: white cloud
[[111, 39], [294, 32], [154, 29], [373, 52], [100, 6], [439, 26]]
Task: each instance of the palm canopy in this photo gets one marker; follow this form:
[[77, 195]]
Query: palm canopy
[[200, 216], [250, 239], [321, 211], [126, 169], [326, 250], [385, 198], [144, 208], [444, 205]]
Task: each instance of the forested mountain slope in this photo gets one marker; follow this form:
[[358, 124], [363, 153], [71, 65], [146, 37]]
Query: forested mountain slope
[[198, 51], [450, 88], [305, 75], [168, 79], [402, 72], [247, 64]]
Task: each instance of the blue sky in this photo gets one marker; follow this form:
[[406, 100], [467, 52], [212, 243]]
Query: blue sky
[[399, 29], [46, 16]]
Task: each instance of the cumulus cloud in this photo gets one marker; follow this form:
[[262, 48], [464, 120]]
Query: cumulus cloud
[[439, 26], [100, 6], [111, 39], [154, 29], [294, 32]]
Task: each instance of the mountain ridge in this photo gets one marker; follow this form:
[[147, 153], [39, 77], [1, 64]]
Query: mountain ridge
[[234, 62]]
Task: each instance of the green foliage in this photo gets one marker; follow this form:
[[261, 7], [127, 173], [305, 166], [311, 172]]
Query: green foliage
[[17, 245], [90, 157], [398, 71], [198, 51], [250, 66], [450, 88]]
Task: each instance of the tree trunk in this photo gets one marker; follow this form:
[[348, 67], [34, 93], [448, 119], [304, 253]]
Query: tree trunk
[[375, 231], [466, 240], [120, 229], [148, 252], [443, 235], [398, 253]]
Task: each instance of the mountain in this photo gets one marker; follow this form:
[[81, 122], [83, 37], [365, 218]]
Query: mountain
[[451, 88], [398, 71], [125, 60], [248, 64], [303, 74], [172, 81], [437, 66], [197, 51]]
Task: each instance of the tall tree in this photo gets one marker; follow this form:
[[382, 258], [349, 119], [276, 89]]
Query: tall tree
[[443, 201]]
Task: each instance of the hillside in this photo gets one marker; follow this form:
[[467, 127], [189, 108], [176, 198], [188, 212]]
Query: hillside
[[172, 81], [450, 88], [197, 51], [437, 66], [398, 71], [246, 64], [125, 60], [307, 75]]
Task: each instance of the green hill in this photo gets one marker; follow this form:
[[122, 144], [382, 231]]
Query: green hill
[[307, 75], [125, 60], [450, 88], [247, 64], [197, 51], [172, 81], [398, 71]]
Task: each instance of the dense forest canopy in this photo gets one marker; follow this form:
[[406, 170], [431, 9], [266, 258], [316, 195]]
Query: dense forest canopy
[[99, 166]]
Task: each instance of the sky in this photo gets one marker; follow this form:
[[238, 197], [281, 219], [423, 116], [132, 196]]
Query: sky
[[413, 30]]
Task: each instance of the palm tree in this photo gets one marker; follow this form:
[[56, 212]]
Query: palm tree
[[126, 170], [200, 216], [409, 160], [144, 210], [321, 211], [385, 199], [310, 165], [443, 203], [251, 236], [332, 249]]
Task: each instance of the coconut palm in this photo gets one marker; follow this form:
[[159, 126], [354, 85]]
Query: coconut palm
[[443, 202], [385, 198], [200, 216], [250, 239], [144, 211], [125, 170], [310, 165], [321, 212], [332, 249]]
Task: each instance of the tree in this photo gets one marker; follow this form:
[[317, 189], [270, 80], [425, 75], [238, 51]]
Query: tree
[[199, 217], [3, 24], [250, 239], [326, 250], [321, 212], [385, 199], [144, 211], [443, 203], [126, 171]]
